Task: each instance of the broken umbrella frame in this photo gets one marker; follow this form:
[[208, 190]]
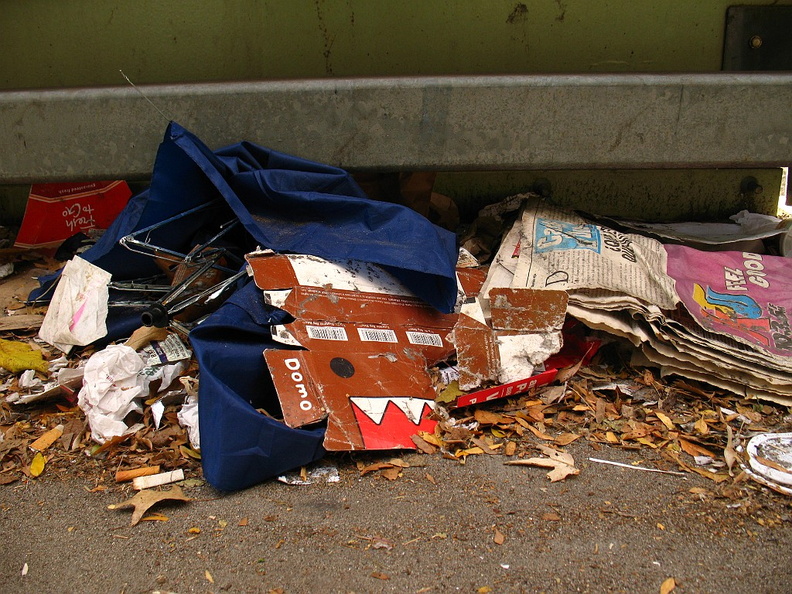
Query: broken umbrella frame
[[176, 298]]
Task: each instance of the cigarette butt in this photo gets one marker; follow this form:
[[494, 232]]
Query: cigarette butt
[[46, 440], [155, 480], [123, 476]]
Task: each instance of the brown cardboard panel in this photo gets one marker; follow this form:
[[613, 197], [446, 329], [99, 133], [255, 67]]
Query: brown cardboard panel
[[370, 402], [272, 271], [471, 280], [299, 395], [477, 353], [528, 310], [327, 303]]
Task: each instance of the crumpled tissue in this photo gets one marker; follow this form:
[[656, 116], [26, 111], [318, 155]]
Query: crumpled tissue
[[112, 387]]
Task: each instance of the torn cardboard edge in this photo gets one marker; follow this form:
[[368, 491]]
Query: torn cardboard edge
[[523, 331]]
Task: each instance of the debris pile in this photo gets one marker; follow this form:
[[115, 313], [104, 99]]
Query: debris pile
[[262, 312]]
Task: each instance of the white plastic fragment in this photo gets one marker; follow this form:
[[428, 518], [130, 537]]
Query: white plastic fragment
[[28, 379], [188, 418], [770, 455], [319, 474], [630, 466], [157, 410]]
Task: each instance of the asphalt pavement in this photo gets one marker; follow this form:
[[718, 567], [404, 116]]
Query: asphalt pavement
[[440, 526]]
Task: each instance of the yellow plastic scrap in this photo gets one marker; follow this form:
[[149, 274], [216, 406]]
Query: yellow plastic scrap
[[19, 356]]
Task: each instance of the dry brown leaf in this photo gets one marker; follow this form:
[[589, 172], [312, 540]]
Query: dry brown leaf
[[155, 517], [599, 410], [374, 467], [499, 538], [534, 413], [468, 452], [380, 576], [539, 434], [510, 449], [567, 373], [144, 500], [667, 586], [392, 473], [557, 455], [553, 394], [561, 471], [694, 449], [566, 438], [729, 453], [665, 419], [561, 463], [484, 446], [423, 445], [431, 438], [702, 427], [485, 417], [718, 478]]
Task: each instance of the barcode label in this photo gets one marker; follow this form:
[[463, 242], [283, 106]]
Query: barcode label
[[425, 338], [377, 335], [326, 332]]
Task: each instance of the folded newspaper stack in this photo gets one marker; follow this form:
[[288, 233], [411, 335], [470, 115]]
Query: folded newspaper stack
[[719, 317]]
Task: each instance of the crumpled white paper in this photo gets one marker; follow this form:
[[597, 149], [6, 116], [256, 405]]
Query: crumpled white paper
[[188, 418], [112, 387], [78, 310]]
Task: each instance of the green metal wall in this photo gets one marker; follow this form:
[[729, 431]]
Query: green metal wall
[[67, 43]]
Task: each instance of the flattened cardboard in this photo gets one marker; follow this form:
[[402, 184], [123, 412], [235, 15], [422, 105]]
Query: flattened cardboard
[[523, 329], [365, 369], [477, 353], [528, 310], [285, 271]]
